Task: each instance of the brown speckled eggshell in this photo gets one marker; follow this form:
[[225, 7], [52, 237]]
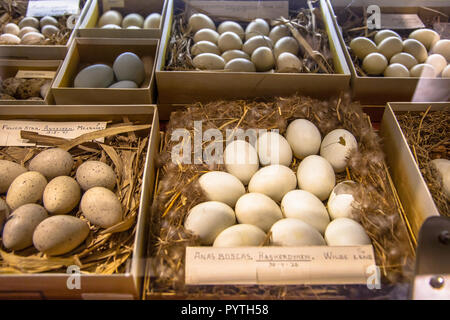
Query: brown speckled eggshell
[[26, 188], [61, 195], [101, 207], [95, 174]]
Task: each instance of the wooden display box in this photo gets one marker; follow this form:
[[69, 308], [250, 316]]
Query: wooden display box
[[88, 51], [178, 87], [92, 286]]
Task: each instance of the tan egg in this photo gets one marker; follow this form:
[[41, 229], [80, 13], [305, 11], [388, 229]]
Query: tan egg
[[415, 48], [8, 38], [442, 47], [288, 63], [48, 20], [390, 46], [204, 47], [209, 61], [437, 61], [11, 28], [110, 17], [291, 232], [240, 235], [446, 72], [405, 59], [423, 70], [133, 19], [9, 171], [258, 27], [61, 195], [231, 26], [52, 163], [229, 41], [206, 35], [29, 22], [383, 34], [427, 37], [374, 63], [32, 38], [26, 30], [396, 70], [286, 44], [256, 42], [95, 174], [26, 188], [279, 32], [362, 46], [199, 21], [240, 65], [234, 54], [153, 21], [263, 59], [101, 207]]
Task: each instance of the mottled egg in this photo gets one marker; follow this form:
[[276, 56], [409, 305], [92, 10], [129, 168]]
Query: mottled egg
[[52, 163], [61, 195], [9, 171], [101, 207], [26, 188], [95, 174]]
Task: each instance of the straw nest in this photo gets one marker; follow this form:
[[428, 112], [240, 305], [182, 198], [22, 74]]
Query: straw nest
[[14, 10], [306, 25], [178, 191], [428, 136], [105, 251]]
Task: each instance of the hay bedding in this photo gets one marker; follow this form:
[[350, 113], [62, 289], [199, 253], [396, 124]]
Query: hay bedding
[[178, 191]]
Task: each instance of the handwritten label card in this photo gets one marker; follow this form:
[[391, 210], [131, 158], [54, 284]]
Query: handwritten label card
[[246, 10], [55, 8], [279, 265], [401, 21], [10, 130]]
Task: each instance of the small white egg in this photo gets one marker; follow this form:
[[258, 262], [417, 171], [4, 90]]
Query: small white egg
[[415, 48], [316, 175], [303, 205], [446, 72], [206, 35], [442, 47], [292, 232], [240, 235], [362, 46], [48, 20], [240, 65], [204, 47], [133, 19], [274, 181], [229, 41], [390, 46], [279, 32], [437, 61], [263, 59], [336, 148], [346, 232], [341, 203], [11, 28], [286, 44], [405, 59], [208, 219], [257, 209], [199, 21], [288, 63], [427, 37], [8, 38], [258, 27], [241, 160], [383, 34], [110, 17], [423, 70], [209, 61], [232, 27], [153, 21], [256, 42], [396, 70], [374, 63], [29, 22], [221, 186], [273, 148], [303, 137], [234, 54]]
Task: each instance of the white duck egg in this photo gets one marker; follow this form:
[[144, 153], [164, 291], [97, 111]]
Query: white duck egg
[[303, 137], [336, 148], [341, 203], [49, 30], [273, 148], [446, 72], [199, 21], [346, 232], [274, 181], [258, 27], [11, 28], [110, 17], [241, 160], [32, 38], [221, 186], [48, 20], [8, 38], [26, 30], [111, 26], [206, 35], [240, 235], [315, 174], [29, 22], [292, 232]]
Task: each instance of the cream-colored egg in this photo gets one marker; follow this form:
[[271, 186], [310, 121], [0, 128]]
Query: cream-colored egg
[[258, 27], [11, 28], [336, 147], [208, 219], [110, 17], [111, 26], [240, 65], [415, 48], [273, 148], [153, 21], [234, 54], [18, 230], [279, 32], [383, 34], [427, 37], [256, 42], [199, 21], [60, 234], [26, 30], [240, 235], [9, 171], [442, 168], [303, 205], [286, 44], [346, 232], [341, 203], [390, 46], [8, 38], [374, 63], [437, 61], [209, 61], [61, 195], [133, 19], [442, 47], [52, 163], [263, 59], [303, 137], [49, 30], [206, 35], [229, 41], [241, 160], [423, 70], [446, 72], [26, 188], [405, 59], [95, 174], [204, 47], [396, 70], [231, 26], [274, 181], [32, 38], [315, 174], [101, 207], [29, 22], [362, 46], [257, 209], [291, 232], [221, 186], [288, 63], [48, 20]]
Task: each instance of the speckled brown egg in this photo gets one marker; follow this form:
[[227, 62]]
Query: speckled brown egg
[[95, 174], [26, 188], [10, 85], [61, 195], [101, 207], [30, 88], [52, 163]]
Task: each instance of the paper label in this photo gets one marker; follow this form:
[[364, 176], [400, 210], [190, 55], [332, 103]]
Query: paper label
[[401, 21], [246, 10], [108, 4], [54, 8], [10, 130], [279, 265], [35, 74]]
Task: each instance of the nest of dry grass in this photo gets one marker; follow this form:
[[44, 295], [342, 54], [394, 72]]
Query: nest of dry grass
[[105, 251], [428, 136], [178, 191], [306, 25]]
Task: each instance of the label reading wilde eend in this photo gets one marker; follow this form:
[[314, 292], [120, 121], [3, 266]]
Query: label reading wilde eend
[[279, 265], [55, 8]]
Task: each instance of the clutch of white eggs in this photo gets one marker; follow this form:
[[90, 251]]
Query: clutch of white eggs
[[228, 47], [423, 54], [113, 19], [29, 30], [289, 205]]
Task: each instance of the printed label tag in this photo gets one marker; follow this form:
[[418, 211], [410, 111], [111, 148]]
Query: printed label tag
[[54, 8]]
